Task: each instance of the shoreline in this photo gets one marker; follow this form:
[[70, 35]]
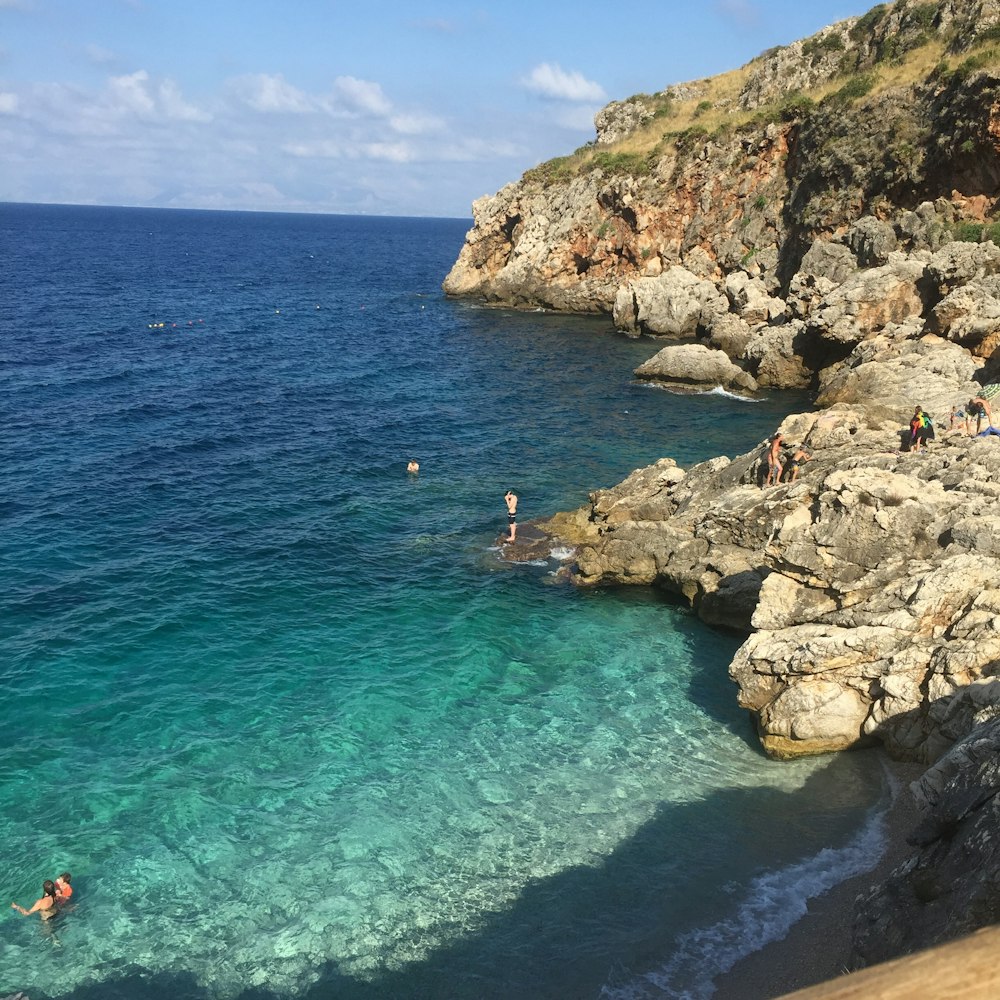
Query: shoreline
[[818, 947]]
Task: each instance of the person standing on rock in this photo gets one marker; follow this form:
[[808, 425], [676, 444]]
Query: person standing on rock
[[799, 458], [915, 423], [921, 430], [774, 461], [510, 498]]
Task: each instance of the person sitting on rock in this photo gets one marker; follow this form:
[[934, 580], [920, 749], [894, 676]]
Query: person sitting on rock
[[979, 407], [957, 420]]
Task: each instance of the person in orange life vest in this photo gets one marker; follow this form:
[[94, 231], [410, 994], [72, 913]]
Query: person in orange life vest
[[63, 888]]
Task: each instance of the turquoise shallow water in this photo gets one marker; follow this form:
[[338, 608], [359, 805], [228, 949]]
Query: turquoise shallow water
[[279, 708]]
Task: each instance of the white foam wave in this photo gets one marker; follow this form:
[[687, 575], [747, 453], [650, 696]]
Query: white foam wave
[[716, 391], [774, 902], [719, 391], [561, 553]]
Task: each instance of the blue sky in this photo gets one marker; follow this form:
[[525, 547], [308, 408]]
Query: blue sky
[[367, 107]]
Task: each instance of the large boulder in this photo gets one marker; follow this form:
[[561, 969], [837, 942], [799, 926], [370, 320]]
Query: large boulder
[[825, 266], [676, 303], [872, 241], [870, 300], [870, 586], [891, 375], [750, 300], [694, 366], [619, 119], [970, 315], [956, 264], [771, 355], [729, 334]]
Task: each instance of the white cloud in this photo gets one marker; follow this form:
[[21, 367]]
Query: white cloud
[[270, 93], [139, 139], [130, 93], [135, 95], [360, 96], [473, 150], [333, 149], [551, 80], [324, 148], [415, 124], [100, 56], [393, 152], [176, 108]]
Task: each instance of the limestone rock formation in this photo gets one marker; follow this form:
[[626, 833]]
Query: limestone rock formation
[[868, 587], [695, 367], [676, 303], [749, 299], [773, 356], [767, 206], [868, 300], [837, 240], [620, 118]]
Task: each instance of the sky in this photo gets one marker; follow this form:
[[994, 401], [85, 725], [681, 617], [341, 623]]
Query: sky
[[368, 107]]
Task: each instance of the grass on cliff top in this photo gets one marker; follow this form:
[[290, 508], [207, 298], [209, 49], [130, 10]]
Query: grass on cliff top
[[716, 109]]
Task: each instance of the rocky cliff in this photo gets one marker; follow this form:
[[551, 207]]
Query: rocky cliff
[[824, 219], [722, 188]]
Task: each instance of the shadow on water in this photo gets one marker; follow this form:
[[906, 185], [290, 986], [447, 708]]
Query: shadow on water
[[566, 935]]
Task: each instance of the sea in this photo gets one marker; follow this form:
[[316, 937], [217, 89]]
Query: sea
[[294, 726]]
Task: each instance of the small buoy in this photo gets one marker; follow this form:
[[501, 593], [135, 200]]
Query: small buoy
[[276, 311]]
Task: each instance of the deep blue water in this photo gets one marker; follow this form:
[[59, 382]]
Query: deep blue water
[[279, 707]]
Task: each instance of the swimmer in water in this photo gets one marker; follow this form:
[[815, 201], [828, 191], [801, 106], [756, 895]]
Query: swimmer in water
[[46, 906]]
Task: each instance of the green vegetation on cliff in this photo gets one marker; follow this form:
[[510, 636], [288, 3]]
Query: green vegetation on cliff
[[883, 60]]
